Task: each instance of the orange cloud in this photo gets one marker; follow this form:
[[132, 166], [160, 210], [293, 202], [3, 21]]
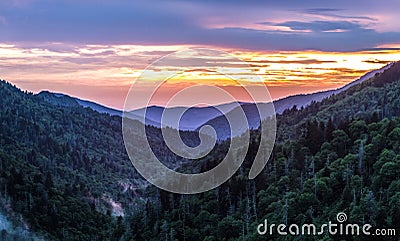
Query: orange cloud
[[104, 73]]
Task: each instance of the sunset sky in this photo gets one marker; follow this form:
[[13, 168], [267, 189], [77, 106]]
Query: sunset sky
[[94, 49]]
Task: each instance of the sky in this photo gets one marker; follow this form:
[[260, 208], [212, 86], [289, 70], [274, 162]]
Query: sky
[[95, 49]]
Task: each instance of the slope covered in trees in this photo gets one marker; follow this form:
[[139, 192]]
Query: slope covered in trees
[[64, 168], [339, 155]]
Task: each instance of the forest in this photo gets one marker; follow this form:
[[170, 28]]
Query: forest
[[65, 175]]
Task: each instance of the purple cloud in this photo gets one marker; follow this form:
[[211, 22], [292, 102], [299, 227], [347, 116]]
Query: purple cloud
[[178, 22]]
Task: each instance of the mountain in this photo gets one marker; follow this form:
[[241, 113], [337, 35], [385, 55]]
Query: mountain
[[300, 101], [99, 108], [191, 119], [196, 117], [64, 169], [304, 100], [58, 99], [59, 163], [340, 155], [68, 101], [221, 124], [377, 98]]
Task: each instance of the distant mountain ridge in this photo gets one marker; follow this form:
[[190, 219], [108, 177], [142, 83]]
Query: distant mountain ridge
[[66, 100], [303, 100], [222, 127], [196, 117], [191, 118]]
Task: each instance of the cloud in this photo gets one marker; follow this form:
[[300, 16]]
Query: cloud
[[377, 61], [182, 23], [334, 12], [322, 26], [297, 61]]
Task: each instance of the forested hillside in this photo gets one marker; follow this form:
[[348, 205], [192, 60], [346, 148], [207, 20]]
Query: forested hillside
[[60, 166], [339, 155], [65, 170]]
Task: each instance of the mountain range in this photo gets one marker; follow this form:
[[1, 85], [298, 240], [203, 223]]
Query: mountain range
[[196, 117], [65, 175]]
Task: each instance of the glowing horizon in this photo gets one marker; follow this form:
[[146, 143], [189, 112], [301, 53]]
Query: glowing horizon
[[104, 73]]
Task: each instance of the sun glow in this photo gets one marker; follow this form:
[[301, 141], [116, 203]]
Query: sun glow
[[104, 73]]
